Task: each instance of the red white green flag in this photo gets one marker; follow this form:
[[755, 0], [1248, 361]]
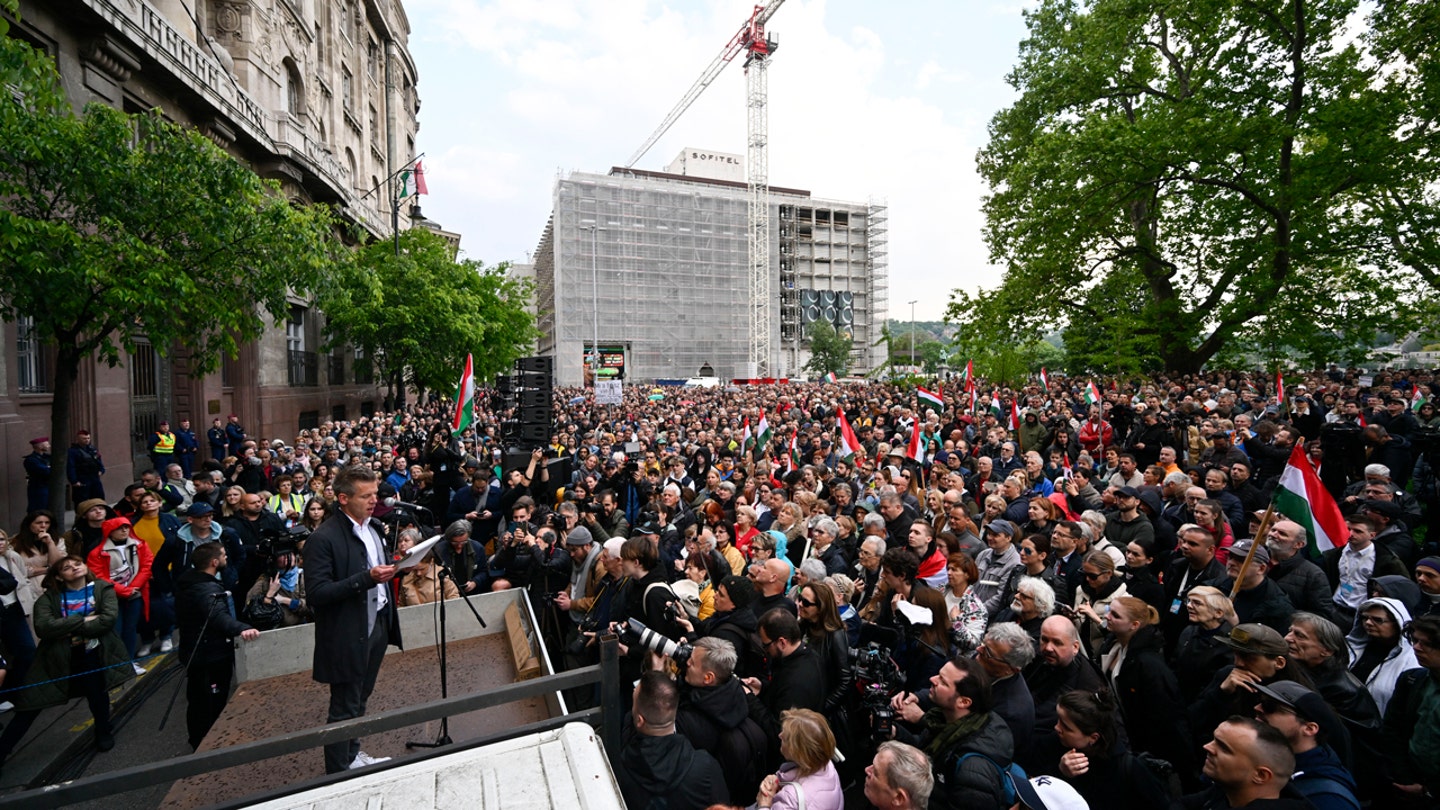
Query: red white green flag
[[995, 407], [969, 374], [745, 436], [931, 399], [762, 434], [1092, 394], [464, 399], [793, 457], [1014, 423], [1417, 399], [916, 450], [849, 444], [1044, 379], [1279, 387], [1302, 498]]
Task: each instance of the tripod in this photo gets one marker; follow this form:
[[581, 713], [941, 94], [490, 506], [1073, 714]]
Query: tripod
[[441, 572]]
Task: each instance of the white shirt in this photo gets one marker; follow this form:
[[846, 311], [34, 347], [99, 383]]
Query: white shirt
[[1355, 569], [374, 556]]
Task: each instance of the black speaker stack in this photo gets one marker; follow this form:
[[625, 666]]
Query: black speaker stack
[[528, 391]]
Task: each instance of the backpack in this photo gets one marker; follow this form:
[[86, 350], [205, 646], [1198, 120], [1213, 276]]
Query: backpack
[[1009, 776]]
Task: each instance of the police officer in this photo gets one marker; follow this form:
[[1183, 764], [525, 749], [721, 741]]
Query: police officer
[[219, 442], [186, 444], [37, 475], [84, 468], [162, 447]]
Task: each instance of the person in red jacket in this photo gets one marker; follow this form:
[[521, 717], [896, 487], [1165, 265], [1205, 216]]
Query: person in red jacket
[[1096, 434], [125, 562]]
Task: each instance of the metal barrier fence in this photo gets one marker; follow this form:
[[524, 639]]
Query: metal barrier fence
[[606, 673]]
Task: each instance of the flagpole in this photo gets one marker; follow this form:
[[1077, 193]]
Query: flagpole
[[394, 200]]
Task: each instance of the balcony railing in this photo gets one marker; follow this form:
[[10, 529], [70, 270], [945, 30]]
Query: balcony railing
[[336, 371], [304, 369]]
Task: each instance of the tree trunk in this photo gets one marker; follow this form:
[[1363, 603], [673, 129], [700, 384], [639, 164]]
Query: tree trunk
[[67, 369]]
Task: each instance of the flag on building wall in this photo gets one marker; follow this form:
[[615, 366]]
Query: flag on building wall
[[1302, 498], [412, 182], [464, 399]]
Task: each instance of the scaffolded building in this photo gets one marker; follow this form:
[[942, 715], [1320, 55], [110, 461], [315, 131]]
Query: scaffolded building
[[653, 267]]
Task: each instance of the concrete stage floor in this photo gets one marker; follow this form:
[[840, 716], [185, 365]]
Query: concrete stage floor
[[266, 708]]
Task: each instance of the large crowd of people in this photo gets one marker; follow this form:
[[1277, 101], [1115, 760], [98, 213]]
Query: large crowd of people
[[1068, 589]]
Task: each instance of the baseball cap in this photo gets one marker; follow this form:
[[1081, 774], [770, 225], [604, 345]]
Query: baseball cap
[[1002, 526], [648, 527], [1049, 793], [1307, 703], [1256, 639], [1242, 547], [198, 509], [1127, 492]]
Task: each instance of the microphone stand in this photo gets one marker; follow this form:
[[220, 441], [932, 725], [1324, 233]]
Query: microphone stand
[[442, 572]]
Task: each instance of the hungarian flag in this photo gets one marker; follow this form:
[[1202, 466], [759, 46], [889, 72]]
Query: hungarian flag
[[412, 182], [970, 390], [915, 451], [1279, 387], [1417, 399], [1014, 423], [1044, 379], [762, 434], [746, 437], [1092, 394], [849, 444], [792, 458], [464, 399], [1302, 498], [830, 378], [931, 399], [995, 405], [969, 374]]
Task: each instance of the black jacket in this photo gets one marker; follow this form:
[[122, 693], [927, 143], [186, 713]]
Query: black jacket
[[739, 628], [1401, 714], [667, 773], [1265, 604], [833, 649], [1146, 689], [974, 783], [1305, 585], [1199, 654], [1048, 683], [338, 585], [796, 682], [716, 719], [202, 611]]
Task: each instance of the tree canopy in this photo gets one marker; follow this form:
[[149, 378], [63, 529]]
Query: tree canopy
[[419, 313], [829, 350], [1181, 175], [120, 226]]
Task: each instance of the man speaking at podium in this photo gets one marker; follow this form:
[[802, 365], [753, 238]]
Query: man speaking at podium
[[347, 568]]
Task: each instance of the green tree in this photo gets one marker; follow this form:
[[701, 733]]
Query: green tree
[[418, 314], [119, 226], [1179, 174], [829, 350]]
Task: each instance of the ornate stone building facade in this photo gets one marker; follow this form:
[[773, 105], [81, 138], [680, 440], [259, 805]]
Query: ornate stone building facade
[[317, 94]]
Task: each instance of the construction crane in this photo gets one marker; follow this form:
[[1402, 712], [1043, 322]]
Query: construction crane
[[758, 48]]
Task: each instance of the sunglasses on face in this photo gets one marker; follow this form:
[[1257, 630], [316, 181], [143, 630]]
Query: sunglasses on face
[[803, 602], [1092, 574]]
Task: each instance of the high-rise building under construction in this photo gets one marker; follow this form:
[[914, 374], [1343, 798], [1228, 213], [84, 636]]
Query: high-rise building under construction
[[654, 267]]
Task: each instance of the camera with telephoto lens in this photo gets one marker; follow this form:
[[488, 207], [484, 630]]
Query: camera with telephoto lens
[[275, 542], [637, 633]]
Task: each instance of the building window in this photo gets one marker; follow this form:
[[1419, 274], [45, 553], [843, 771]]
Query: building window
[[347, 87], [31, 358], [350, 161], [294, 91], [347, 21], [374, 127], [372, 59], [295, 329]]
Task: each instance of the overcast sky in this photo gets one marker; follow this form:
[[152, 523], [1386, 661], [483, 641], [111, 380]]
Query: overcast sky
[[868, 101]]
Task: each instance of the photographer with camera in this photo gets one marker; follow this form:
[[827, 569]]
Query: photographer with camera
[[604, 518], [961, 723], [252, 525], [715, 715], [208, 628], [472, 503], [278, 598]]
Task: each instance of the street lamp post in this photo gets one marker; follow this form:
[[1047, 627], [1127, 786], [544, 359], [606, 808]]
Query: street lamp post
[[912, 332]]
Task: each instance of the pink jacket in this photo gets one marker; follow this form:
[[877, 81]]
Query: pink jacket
[[822, 789]]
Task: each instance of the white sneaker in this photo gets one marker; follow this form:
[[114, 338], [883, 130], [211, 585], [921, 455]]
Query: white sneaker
[[167, 645], [143, 650], [139, 670], [363, 759], [6, 706]]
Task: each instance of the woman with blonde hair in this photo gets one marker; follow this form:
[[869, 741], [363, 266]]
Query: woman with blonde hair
[[1134, 664], [808, 778], [1201, 650]]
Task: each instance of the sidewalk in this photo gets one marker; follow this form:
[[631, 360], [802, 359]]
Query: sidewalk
[[62, 733]]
